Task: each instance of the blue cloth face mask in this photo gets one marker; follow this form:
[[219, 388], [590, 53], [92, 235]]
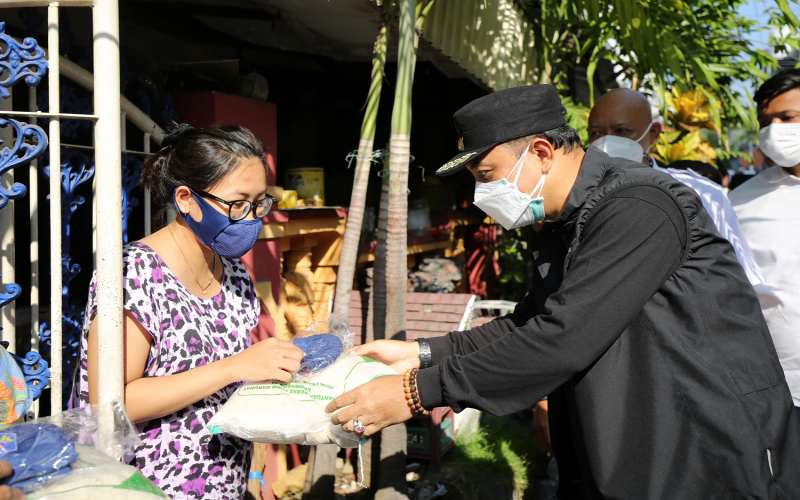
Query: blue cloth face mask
[[506, 204], [227, 238]]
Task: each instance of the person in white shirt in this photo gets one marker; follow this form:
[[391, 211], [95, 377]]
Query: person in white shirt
[[621, 124], [768, 207], [703, 169]]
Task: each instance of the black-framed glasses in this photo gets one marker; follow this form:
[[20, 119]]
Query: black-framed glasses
[[240, 209]]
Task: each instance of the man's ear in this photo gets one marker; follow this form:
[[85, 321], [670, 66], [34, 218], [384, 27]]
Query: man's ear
[[542, 149], [655, 132]]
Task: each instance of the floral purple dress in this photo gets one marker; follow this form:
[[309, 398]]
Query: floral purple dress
[[177, 452]]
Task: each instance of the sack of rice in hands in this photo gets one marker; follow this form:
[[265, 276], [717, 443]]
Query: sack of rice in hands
[[294, 413]]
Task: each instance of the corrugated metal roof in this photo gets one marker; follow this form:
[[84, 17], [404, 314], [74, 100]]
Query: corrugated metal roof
[[491, 39]]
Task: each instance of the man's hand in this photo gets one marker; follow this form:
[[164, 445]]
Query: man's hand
[[399, 355], [542, 424], [377, 404]]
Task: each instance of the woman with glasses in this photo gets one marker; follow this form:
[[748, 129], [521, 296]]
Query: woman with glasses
[[190, 307]]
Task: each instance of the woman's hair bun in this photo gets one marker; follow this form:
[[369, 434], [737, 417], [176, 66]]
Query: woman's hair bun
[[154, 173], [174, 134]]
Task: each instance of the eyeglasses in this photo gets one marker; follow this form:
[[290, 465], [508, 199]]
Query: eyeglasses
[[240, 209]]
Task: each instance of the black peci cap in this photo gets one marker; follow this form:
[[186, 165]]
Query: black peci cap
[[501, 117]]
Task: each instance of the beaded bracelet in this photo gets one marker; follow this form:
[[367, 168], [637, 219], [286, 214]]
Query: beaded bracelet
[[412, 393], [415, 390]]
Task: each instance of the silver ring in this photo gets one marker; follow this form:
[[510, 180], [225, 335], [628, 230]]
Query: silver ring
[[358, 426]]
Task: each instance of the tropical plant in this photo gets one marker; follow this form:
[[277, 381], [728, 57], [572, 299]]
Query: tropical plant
[[399, 159], [513, 248], [674, 145], [691, 109], [389, 273], [659, 44], [355, 215], [692, 132], [322, 460], [700, 48], [387, 300], [577, 117]]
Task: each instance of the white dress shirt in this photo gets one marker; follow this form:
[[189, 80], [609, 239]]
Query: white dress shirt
[[768, 207], [715, 200]]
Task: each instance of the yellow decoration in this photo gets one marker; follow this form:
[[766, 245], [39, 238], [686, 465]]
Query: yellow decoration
[[691, 109], [690, 147], [288, 199], [689, 112]]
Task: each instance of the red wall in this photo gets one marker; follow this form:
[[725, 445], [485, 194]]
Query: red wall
[[206, 109]]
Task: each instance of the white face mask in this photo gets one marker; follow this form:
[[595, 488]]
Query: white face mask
[[781, 143], [506, 204], [622, 147]]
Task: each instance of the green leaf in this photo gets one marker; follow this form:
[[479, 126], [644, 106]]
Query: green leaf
[[672, 136], [590, 69], [786, 10], [710, 80], [666, 43], [721, 68]]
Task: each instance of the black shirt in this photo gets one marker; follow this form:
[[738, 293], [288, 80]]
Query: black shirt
[[663, 378]]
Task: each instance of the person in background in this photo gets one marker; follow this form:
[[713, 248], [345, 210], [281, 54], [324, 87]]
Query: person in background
[[768, 206], [700, 168], [738, 179], [190, 307], [621, 125], [759, 163], [658, 390]]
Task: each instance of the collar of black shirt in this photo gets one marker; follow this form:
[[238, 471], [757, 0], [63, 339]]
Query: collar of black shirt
[[593, 168]]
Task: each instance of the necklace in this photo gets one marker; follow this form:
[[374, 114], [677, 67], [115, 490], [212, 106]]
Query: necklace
[[213, 263]]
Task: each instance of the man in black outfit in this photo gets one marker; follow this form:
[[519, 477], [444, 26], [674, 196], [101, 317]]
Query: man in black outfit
[[641, 325]]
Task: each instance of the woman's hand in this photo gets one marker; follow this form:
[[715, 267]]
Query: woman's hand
[[377, 404], [399, 355], [270, 359], [6, 492]]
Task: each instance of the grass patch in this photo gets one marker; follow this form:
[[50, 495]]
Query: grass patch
[[498, 461]]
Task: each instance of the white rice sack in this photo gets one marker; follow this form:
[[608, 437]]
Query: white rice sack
[[294, 413], [98, 476]]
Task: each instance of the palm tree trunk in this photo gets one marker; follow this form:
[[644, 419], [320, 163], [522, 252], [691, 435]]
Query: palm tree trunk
[[385, 270], [399, 158], [319, 483], [355, 216], [394, 197], [377, 305], [390, 482]]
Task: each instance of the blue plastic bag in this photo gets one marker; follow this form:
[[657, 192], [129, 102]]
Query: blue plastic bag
[[320, 351], [38, 454]]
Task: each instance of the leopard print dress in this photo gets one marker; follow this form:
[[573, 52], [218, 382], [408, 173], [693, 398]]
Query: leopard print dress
[[177, 452]]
